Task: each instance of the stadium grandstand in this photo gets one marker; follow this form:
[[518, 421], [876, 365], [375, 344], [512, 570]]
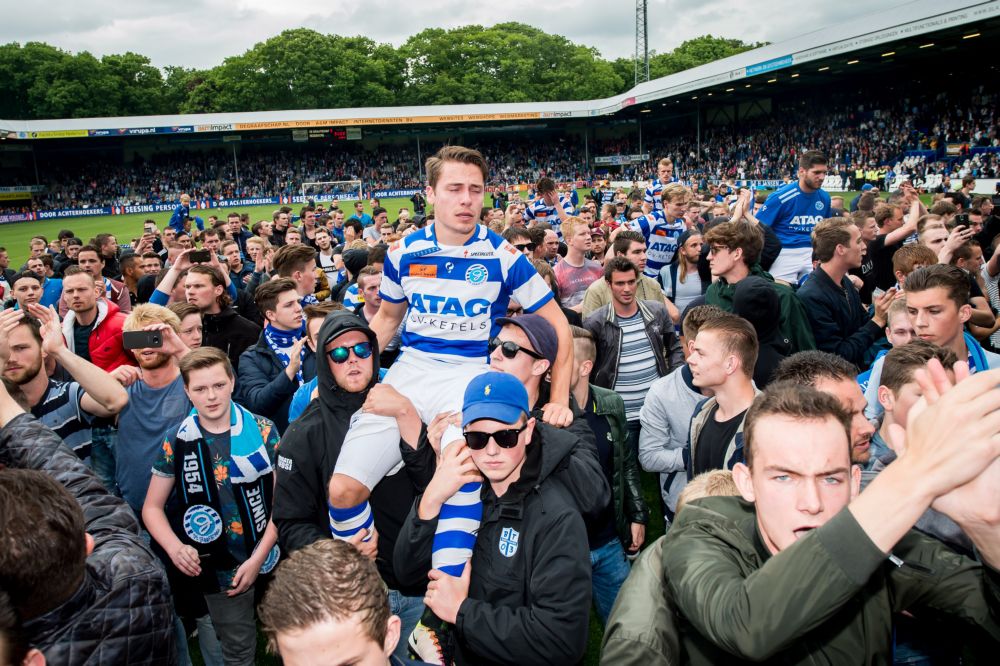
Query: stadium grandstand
[[901, 89]]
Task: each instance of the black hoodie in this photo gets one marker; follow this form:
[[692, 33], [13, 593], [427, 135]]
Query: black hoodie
[[756, 301], [307, 455]]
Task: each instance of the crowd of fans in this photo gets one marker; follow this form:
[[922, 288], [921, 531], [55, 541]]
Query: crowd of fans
[[854, 135], [425, 438]]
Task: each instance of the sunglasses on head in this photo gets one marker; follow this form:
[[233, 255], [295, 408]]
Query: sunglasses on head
[[505, 439], [530, 247], [510, 349], [341, 354]]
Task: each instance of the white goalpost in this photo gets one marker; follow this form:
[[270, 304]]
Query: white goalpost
[[332, 189]]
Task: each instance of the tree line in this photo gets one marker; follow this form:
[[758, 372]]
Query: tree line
[[305, 69]]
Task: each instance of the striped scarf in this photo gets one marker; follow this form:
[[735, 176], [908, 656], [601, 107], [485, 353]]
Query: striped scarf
[[248, 460]]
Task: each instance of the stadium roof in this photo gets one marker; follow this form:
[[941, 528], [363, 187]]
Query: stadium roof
[[900, 22]]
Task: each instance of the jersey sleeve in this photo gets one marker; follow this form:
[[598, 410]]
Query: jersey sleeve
[[648, 197], [768, 213], [641, 224], [391, 288], [526, 285], [529, 211]]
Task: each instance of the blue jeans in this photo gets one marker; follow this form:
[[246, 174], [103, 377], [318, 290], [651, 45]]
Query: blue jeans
[[104, 456], [409, 610], [609, 568]]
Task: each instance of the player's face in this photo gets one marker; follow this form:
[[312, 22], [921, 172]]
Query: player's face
[[935, 317], [497, 464], [623, 287], [675, 209], [812, 178], [801, 477], [191, 331], [210, 391], [25, 360], [848, 393], [899, 331], [457, 198], [355, 374], [200, 292], [665, 172]]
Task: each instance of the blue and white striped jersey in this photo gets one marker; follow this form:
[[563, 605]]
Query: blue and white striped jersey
[[661, 240], [539, 210], [352, 297], [792, 214], [655, 191], [455, 293]]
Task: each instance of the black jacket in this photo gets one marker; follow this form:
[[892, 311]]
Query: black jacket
[[756, 301], [839, 321], [121, 613], [307, 456], [263, 386], [229, 332], [608, 336], [529, 594]]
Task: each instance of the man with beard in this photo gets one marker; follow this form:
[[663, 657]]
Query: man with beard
[[156, 400], [68, 407], [347, 369]]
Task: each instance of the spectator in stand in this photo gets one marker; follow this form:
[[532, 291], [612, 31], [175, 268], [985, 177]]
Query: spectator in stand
[[224, 329], [273, 369], [839, 320], [575, 273], [635, 341]]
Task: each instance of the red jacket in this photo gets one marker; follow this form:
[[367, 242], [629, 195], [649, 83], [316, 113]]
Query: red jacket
[[105, 344]]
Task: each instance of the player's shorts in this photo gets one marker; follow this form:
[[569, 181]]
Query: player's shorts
[[792, 264], [371, 448]]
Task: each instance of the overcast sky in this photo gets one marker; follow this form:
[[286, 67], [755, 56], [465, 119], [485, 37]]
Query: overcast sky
[[200, 33]]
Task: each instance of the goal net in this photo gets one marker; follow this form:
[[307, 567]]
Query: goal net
[[332, 189]]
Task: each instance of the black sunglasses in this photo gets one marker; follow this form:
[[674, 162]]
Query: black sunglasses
[[505, 439], [510, 349], [530, 247], [341, 354]]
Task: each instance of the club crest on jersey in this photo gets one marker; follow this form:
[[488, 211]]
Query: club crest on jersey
[[819, 205], [508, 541], [476, 274], [202, 523]]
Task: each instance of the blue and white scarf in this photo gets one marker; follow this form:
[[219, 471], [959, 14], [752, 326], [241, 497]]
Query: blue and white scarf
[[308, 299], [248, 459], [281, 344], [977, 358]]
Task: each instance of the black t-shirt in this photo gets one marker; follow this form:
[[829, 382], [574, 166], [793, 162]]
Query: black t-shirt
[[881, 256], [601, 529], [81, 339], [710, 451]]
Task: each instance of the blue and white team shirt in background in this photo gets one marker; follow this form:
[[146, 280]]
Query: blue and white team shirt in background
[[792, 214], [654, 193], [456, 293], [661, 240], [539, 210]]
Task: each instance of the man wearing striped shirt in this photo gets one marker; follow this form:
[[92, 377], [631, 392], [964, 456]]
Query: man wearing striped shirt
[[636, 344], [27, 341]]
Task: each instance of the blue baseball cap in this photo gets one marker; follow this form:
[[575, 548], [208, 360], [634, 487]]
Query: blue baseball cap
[[866, 187], [496, 396]]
